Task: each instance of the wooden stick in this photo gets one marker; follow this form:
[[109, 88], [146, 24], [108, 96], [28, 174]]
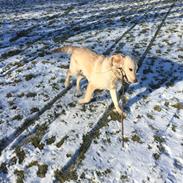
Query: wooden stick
[[122, 130], [122, 115]]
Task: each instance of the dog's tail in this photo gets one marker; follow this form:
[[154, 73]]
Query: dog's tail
[[66, 49]]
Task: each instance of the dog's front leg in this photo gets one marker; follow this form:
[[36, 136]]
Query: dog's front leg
[[115, 100], [89, 92]]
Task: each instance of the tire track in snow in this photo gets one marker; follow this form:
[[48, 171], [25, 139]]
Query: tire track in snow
[[31, 119], [69, 169]]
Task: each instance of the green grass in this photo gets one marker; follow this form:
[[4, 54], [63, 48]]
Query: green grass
[[55, 86], [60, 143], [13, 160], [115, 116], [126, 139], [10, 53], [17, 117], [159, 139], [178, 106], [8, 95], [31, 94], [20, 176], [50, 140], [136, 138], [36, 139], [29, 77], [33, 163], [63, 177], [42, 170], [166, 104], [3, 168], [20, 154], [174, 128], [156, 156], [157, 108], [102, 173], [68, 10], [34, 109], [150, 116], [124, 177]]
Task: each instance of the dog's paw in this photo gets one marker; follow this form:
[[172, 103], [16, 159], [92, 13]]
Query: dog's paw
[[82, 101], [121, 113], [78, 94], [66, 84]]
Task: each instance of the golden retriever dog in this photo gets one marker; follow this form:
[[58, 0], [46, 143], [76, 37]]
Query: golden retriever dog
[[101, 72]]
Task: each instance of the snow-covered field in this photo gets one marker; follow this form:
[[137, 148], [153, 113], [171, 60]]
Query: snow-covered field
[[46, 136]]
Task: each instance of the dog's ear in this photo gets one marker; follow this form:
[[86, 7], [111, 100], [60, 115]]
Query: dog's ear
[[117, 60]]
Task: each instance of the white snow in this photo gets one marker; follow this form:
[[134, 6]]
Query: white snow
[[34, 76]]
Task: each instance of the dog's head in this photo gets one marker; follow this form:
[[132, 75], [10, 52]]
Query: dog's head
[[126, 65]]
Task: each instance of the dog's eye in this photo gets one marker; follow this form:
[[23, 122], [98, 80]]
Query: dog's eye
[[130, 69]]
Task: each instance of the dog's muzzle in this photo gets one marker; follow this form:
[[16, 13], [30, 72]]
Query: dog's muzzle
[[125, 79]]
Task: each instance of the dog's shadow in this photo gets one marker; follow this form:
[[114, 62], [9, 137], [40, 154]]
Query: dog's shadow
[[156, 72]]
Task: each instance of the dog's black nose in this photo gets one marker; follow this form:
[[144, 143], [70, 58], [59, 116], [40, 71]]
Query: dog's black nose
[[135, 81]]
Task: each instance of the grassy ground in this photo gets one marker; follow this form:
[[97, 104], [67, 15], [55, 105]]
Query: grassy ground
[[47, 136]]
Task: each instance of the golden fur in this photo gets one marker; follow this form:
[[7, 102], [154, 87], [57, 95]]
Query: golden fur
[[101, 72]]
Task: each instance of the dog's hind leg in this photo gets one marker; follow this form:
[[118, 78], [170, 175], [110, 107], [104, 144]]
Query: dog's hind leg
[[78, 89], [73, 71], [67, 80], [89, 93]]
